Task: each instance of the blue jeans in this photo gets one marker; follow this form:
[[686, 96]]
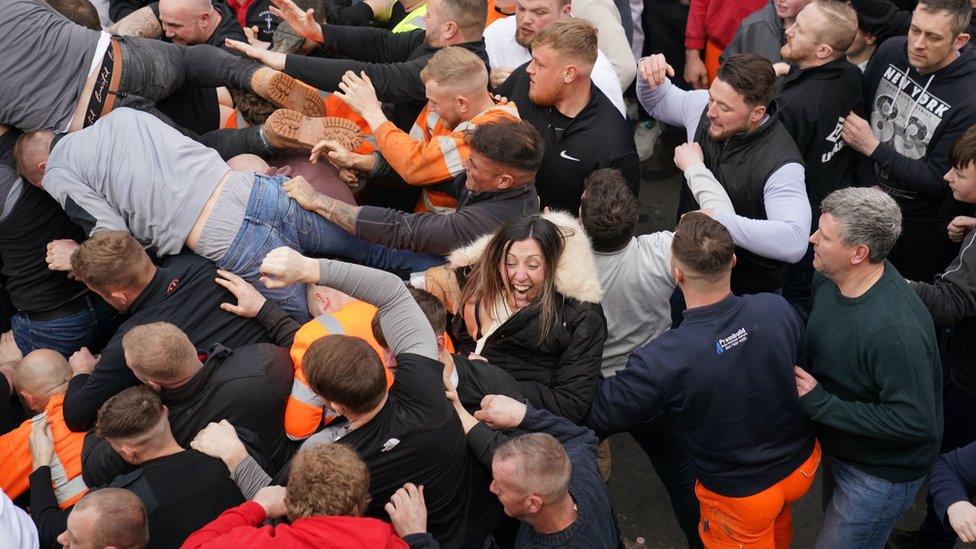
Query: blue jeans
[[862, 509], [272, 220], [90, 327]]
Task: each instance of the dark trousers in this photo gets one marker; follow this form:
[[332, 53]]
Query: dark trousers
[[657, 439], [153, 70]]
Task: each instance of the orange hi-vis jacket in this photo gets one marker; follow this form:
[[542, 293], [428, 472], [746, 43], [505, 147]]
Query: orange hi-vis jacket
[[305, 410], [16, 462], [432, 152]]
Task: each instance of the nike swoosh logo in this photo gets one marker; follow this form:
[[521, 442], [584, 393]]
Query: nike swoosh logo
[[567, 157]]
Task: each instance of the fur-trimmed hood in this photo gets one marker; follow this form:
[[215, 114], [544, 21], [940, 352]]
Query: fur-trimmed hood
[[576, 275]]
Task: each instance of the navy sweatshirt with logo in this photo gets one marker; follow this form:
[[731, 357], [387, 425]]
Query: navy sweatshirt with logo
[[724, 379]]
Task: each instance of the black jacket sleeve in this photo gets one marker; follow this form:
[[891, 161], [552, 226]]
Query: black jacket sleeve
[[47, 515], [117, 9], [952, 296], [87, 392], [953, 479], [882, 18], [281, 328]]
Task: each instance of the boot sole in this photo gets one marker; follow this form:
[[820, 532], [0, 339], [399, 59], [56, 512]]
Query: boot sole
[[289, 93], [292, 130]]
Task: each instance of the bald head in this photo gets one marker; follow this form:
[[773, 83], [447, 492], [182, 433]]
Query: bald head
[[188, 22], [40, 371], [109, 517], [31, 152]]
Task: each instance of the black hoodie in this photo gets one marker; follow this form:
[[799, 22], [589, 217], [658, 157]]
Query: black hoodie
[[885, 19], [917, 118], [812, 106]]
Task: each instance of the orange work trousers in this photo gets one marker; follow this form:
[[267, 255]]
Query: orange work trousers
[[763, 520]]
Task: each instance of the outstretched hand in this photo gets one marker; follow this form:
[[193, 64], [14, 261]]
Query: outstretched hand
[[302, 22], [272, 59], [654, 69], [357, 91], [284, 266], [249, 299]]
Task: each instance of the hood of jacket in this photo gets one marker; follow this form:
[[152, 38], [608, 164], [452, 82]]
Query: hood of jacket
[[576, 274]]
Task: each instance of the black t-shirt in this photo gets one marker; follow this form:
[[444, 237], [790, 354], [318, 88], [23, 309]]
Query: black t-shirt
[[182, 492], [417, 437]]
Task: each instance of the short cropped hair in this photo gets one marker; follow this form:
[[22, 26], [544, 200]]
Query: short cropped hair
[[345, 370], [961, 11], [30, 149], [81, 12], [470, 15], [129, 414], [511, 142], [703, 245], [122, 520], [963, 152], [574, 38], [431, 306], [609, 210], [751, 76], [456, 67], [866, 217], [159, 350], [541, 465], [840, 24], [327, 479], [111, 260]]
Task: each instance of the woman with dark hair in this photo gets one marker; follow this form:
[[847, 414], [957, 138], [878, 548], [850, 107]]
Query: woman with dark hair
[[530, 304]]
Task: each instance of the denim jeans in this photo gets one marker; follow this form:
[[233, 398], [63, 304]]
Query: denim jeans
[[153, 69], [862, 509], [272, 219], [90, 327]]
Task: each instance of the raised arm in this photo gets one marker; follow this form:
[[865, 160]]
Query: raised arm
[[666, 102]]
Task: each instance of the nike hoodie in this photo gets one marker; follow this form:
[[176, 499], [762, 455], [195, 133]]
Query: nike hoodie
[[917, 118]]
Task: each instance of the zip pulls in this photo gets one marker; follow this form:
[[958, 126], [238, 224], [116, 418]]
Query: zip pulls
[[918, 99]]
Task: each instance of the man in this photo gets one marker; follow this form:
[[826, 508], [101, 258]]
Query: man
[[433, 153], [328, 490], [406, 433], [110, 517], [813, 102], [555, 94], [874, 373], [496, 186], [63, 77], [187, 197], [751, 154], [762, 33], [197, 393], [135, 423], [920, 104], [52, 311], [885, 19], [708, 374], [41, 378], [508, 45], [115, 266], [635, 274], [392, 61]]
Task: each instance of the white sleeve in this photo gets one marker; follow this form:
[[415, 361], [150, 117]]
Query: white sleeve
[[708, 192]]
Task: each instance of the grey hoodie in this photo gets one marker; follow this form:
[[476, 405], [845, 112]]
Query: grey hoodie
[[761, 33]]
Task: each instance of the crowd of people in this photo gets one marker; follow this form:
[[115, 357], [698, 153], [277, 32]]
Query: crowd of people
[[367, 273]]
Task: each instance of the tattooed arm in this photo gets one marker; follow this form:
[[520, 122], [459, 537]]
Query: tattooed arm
[[142, 22], [336, 211]]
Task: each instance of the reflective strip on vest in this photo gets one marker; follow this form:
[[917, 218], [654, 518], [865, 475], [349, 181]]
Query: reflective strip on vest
[[452, 156], [413, 21], [65, 489], [305, 395], [331, 324]]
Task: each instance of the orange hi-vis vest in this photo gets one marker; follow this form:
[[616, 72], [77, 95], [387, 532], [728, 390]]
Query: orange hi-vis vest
[[432, 152], [305, 410], [16, 462]]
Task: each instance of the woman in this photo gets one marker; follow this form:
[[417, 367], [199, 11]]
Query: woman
[[531, 305]]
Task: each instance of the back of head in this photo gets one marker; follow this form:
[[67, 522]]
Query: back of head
[[160, 352], [457, 68], [432, 308], [703, 248], [840, 25], [122, 521], [30, 150], [865, 216], [609, 210], [345, 370], [511, 142], [112, 260], [540, 464], [574, 39], [42, 372], [751, 76], [470, 16], [327, 479], [81, 12], [961, 11], [134, 416]]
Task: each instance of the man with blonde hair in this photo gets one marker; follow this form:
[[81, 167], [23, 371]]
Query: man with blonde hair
[[555, 94]]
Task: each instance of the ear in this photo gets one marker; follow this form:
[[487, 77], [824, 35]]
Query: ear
[[824, 51], [570, 73], [758, 113], [567, 11], [451, 29], [120, 296], [505, 181], [677, 274], [734, 259], [440, 342], [961, 41], [861, 254], [128, 453], [29, 400], [533, 503], [42, 166], [153, 385], [462, 103]]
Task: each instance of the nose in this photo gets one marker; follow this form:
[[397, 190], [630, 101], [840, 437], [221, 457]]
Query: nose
[[712, 112], [815, 237], [919, 42], [948, 176]]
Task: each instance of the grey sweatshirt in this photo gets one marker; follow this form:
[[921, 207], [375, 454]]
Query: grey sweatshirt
[[44, 64], [130, 171]]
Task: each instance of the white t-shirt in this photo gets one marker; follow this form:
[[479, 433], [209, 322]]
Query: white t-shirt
[[505, 52], [16, 527]]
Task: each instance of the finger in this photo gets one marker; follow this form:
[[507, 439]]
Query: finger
[[233, 309], [230, 276], [226, 284], [670, 71], [390, 509]]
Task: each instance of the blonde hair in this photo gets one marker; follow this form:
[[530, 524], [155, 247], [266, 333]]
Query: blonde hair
[[840, 24], [159, 351], [574, 38], [328, 479], [457, 68]]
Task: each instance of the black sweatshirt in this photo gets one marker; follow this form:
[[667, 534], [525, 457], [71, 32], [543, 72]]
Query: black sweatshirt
[[597, 137], [182, 292], [392, 61], [917, 118]]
